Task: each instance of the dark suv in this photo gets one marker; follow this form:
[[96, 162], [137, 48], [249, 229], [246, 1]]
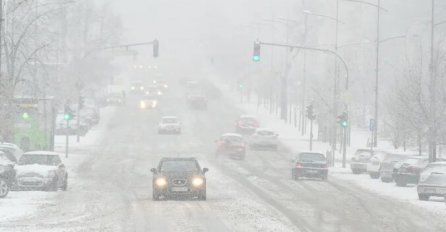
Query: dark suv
[[179, 177], [7, 174], [310, 164]]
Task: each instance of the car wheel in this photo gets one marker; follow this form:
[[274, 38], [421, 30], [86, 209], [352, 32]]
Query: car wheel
[[65, 185], [386, 180], [202, 195], [374, 175], [423, 197], [400, 183], [155, 196], [324, 177], [4, 188]]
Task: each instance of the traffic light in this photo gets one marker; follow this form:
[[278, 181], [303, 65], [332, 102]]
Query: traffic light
[[310, 112], [68, 113], [25, 115], [343, 120], [256, 54], [155, 48]]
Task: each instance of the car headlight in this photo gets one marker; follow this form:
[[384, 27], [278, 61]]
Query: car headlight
[[197, 181], [108, 99], [161, 182], [147, 92], [51, 174], [160, 93], [133, 88], [141, 88], [142, 105], [154, 103]]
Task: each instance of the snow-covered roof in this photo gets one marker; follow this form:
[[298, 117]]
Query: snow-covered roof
[[264, 129], [172, 117], [11, 145], [232, 134], [41, 153], [247, 116]]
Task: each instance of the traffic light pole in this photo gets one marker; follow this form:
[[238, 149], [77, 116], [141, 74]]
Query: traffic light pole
[[67, 139], [311, 134]]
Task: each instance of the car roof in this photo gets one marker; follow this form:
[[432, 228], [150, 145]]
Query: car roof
[[442, 163], [173, 117], [264, 129], [42, 153], [247, 116], [310, 152], [178, 159], [10, 145], [232, 134]]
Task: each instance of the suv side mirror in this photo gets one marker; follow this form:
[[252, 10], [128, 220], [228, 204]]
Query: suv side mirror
[[205, 170], [153, 170]]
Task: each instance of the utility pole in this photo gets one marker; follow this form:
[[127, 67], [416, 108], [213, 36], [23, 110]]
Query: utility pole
[[433, 94], [375, 132], [67, 138], [335, 88]]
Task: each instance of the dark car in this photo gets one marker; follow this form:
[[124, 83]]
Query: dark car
[[408, 170], [179, 177], [360, 159], [7, 174], [387, 165], [432, 181], [246, 124], [310, 164], [232, 145], [197, 101]]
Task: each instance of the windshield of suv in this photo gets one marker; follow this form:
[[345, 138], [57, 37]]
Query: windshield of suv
[[265, 133], [179, 166], [311, 157], [170, 120], [51, 160]]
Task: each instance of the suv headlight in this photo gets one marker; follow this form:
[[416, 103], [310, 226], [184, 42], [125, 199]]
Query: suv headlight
[[160, 182], [197, 181]]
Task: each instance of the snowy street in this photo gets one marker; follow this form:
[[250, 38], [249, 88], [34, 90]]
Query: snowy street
[[110, 188]]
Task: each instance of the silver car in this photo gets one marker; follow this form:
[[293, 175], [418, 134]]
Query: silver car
[[432, 181], [264, 139]]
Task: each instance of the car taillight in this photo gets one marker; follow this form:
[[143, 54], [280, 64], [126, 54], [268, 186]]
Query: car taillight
[[299, 165]]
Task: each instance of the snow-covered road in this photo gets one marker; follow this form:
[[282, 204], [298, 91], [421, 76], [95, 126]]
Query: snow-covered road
[[110, 189]]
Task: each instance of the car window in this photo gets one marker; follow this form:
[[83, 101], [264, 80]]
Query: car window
[[265, 133], [178, 166], [311, 157], [232, 138], [52, 160], [169, 120], [438, 168], [364, 154]]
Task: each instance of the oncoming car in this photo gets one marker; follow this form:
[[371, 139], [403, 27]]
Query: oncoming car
[[169, 124], [179, 177], [148, 103], [41, 170]]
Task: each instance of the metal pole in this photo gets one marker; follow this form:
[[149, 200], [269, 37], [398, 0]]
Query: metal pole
[[344, 149], [67, 139], [311, 134], [304, 77], [433, 94], [335, 87], [375, 133]]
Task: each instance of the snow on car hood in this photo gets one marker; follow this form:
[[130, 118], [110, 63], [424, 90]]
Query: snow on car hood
[[35, 168]]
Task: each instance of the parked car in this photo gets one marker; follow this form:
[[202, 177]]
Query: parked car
[[359, 160], [179, 177], [432, 181], [7, 174], [232, 145], [387, 165], [264, 139], [12, 151], [169, 124], [408, 171], [41, 170], [246, 124], [375, 164], [309, 164]]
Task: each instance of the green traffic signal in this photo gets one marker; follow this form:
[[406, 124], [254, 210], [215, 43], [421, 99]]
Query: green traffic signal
[[256, 53], [67, 116], [344, 123], [25, 115]]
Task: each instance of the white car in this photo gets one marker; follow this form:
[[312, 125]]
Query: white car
[[264, 138], [148, 103], [41, 170], [169, 124]]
